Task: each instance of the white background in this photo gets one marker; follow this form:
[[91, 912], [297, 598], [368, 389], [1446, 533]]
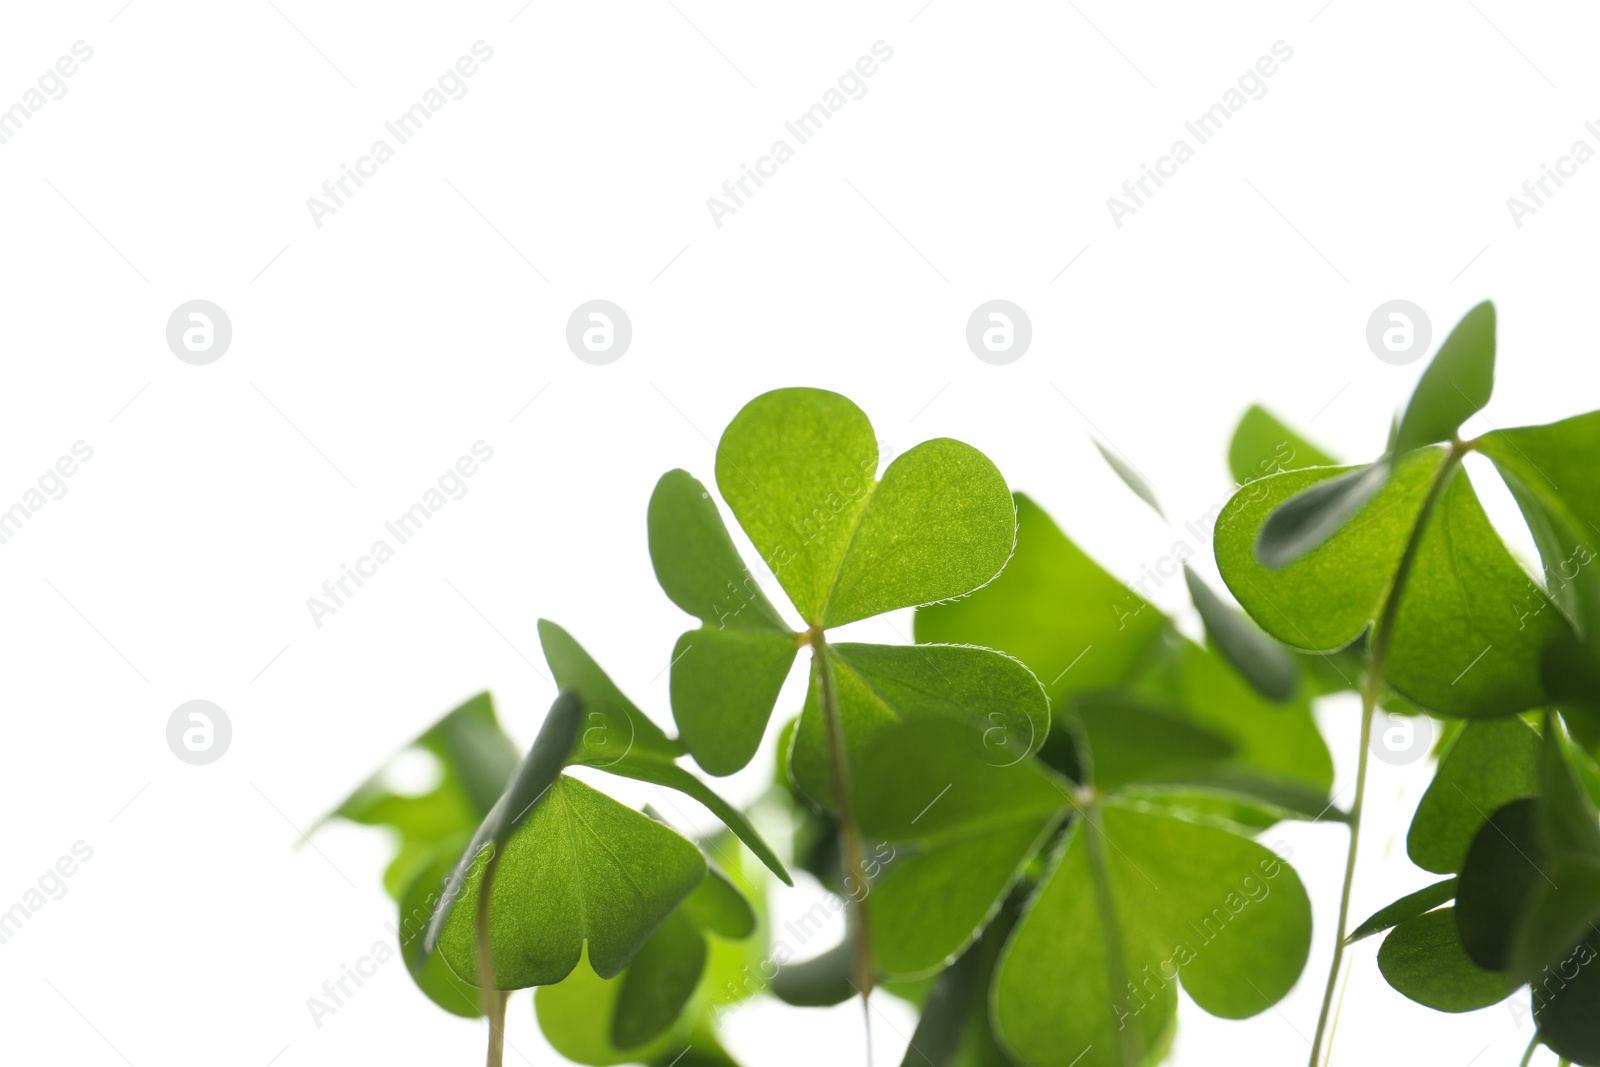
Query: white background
[[369, 353]]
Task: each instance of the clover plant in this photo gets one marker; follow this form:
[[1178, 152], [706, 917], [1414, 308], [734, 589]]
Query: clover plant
[[1049, 812]]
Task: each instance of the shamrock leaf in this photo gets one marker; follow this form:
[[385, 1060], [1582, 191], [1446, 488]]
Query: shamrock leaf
[[1075, 625], [1424, 961], [972, 832], [1083, 632], [1455, 647], [1490, 763], [1137, 899], [880, 685], [1262, 444], [1554, 474], [417, 902], [1406, 908], [475, 760], [954, 1029], [1530, 885], [621, 739], [798, 469], [1454, 387], [1141, 903], [573, 871], [1268, 666], [662, 1006], [579, 871], [1456, 384]]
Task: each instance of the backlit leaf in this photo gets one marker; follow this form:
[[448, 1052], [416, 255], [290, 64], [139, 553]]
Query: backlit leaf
[[1423, 959], [1406, 908], [880, 685], [619, 738], [1268, 665], [1262, 444], [1492, 762], [1456, 646], [580, 870], [1074, 624], [1456, 385]]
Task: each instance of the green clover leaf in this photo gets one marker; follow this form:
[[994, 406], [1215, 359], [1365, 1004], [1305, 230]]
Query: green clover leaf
[[798, 469], [1128, 892]]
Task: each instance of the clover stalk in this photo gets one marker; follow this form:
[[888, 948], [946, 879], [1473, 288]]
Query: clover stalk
[[493, 1000], [1371, 691], [851, 849]]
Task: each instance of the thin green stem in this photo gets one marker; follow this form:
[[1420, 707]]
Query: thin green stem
[[493, 1001], [1533, 1046], [851, 849], [1371, 691]]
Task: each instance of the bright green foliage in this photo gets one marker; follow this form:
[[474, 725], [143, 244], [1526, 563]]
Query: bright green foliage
[[798, 468], [955, 1029], [1129, 742], [1318, 509], [1054, 608], [433, 976], [1456, 646], [1456, 384], [1491, 763], [475, 758], [1084, 633], [718, 907], [579, 1017], [619, 738], [1405, 909], [1262, 445], [1278, 755], [1139, 903], [1128, 889], [1553, 473], [1269, 666], [742, 652], [974, 821], [1057, 787], [579, 868], [1424, 960], [603, 1021], [880, 685], [659, 981]]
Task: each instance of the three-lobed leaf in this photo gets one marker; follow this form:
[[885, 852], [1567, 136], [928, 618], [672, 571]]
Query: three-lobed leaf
[[798, 469], [619, 738], [1456, 645]]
